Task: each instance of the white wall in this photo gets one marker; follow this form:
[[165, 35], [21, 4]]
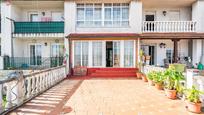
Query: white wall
[[185, 13], [197, 15], [197, 51], [21, 46], [6, 29]]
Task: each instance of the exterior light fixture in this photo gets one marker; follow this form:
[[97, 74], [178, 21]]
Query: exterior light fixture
[[164, 13], [162, 45], [45, 43]]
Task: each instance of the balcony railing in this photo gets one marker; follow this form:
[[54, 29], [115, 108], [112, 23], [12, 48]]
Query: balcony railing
[[38, 27], [17, 89], [31, 63], [169, 26]]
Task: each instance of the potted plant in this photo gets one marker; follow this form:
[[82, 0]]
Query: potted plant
[[150, 77], [144, 78], [158, 79], [193, 100], [140, 65], [172, 82]]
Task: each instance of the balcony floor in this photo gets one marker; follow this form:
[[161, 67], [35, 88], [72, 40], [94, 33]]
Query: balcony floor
[[103, 97]]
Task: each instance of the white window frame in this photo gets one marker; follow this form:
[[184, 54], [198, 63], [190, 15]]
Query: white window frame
[[35, 44], [81, 59], [122, 5], [33, 12], [58, 44]]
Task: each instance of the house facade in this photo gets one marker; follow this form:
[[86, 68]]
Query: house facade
[[100, 34]]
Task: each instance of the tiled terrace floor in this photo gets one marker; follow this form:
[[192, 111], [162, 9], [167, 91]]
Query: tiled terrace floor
[[105, 97]]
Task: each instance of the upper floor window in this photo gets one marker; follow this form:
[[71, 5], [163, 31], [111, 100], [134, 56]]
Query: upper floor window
[[103, 15]]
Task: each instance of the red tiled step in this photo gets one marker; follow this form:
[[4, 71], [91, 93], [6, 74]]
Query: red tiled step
[[98, 71], [109, 76]]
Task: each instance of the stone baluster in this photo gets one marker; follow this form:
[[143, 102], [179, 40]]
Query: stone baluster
[[33, 85], [28, 87]]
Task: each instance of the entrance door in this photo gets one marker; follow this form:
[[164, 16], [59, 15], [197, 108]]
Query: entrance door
[[109, 54], [113, 54], [35, 54], [151, 53]]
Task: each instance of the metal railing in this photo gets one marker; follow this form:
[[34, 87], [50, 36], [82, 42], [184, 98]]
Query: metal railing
[[38, 27], [169, 26], [18, 88], [31, 63]]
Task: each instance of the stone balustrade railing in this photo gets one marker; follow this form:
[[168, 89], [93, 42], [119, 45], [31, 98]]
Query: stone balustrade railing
[[149, 68], [20, 88], [169, 26]]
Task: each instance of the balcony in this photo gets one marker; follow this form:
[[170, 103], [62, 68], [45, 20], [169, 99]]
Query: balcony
[[41, 29], [169, 26]]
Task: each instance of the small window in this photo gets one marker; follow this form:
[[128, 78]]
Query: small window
[[34, 17]]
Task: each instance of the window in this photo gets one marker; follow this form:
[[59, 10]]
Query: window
[[114, 15], [81, 53], [35, 54], [97, 54], [128, 53], [34, 17], [57, 58]]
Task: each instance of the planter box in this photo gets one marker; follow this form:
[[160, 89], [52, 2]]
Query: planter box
[[80, 71]]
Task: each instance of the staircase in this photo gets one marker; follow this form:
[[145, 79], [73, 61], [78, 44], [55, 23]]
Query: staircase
[[112, 72]]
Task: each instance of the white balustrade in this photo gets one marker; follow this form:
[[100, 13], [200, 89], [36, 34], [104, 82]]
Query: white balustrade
[[169, 26], [15, 91]]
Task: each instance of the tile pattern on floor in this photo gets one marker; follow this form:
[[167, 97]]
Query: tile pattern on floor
[[50, 102], [122, 97]]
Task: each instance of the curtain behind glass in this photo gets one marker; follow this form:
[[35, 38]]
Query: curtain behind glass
[[97, 53], [128, 53]]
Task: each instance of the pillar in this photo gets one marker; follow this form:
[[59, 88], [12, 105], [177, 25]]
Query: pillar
[[137, 52], [175, 50]]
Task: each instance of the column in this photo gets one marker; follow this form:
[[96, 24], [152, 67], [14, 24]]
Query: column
[[137, 51], [6, 29], [175, 50], [70, 64], [202, 54]]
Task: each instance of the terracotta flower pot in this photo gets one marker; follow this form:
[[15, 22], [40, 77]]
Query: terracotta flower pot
[[144, 78], [151, 83], [193, 107], [139, 75], [159, 86], [171, 94]]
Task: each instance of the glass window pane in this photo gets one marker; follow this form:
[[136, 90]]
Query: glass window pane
[[89, 13], [108, 14], [85, 53], [128, 53], [108, 23], [98, 14], [80, 13], [80, 23], [125, 23], [97, 23], [125, 13], [116, 52], [97, 53], [77, 54], [116, 14]]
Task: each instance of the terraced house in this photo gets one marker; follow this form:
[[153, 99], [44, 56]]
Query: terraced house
[[101, 34]]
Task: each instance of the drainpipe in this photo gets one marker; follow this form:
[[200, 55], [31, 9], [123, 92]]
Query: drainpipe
[[202, 53]]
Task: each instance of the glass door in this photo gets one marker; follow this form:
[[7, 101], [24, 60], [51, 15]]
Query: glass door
[[35, 55], [56, 55], [128, 53], [116, 53], [97, 54]]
